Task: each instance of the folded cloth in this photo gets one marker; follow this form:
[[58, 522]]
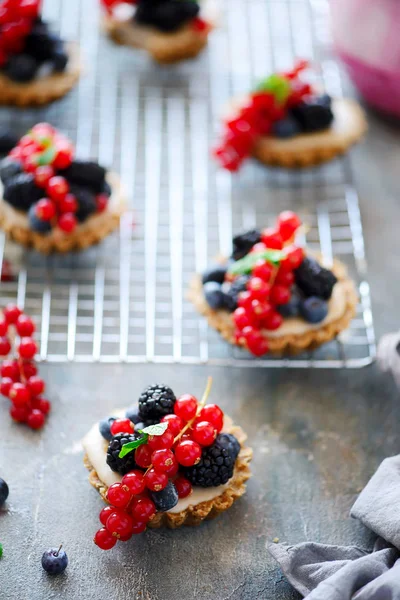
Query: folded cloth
[[321, 572]]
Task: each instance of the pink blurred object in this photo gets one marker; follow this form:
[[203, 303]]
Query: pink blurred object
[[367, 38]]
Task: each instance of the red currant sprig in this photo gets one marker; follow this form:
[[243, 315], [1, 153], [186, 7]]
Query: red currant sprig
[[16, 22], [19, 381]]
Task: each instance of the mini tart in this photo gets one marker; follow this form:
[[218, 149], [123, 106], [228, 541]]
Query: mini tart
[[307, 150], [194, 514], [164, 48], [91, 231], [289, 340], [43, 89]]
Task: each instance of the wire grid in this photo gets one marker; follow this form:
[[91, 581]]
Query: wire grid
[[125, 299]]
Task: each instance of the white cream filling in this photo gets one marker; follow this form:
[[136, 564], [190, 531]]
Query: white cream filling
[[96, 449]]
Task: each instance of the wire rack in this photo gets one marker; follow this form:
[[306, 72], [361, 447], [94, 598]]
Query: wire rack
[[125, 300]]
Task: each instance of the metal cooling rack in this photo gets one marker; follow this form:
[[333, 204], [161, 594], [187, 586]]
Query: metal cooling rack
[[125, 300]]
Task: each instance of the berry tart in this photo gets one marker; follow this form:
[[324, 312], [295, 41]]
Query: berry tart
[[51, 200], [36, 67], [286, 122], [271, 296], [169, 30], [166, 463]]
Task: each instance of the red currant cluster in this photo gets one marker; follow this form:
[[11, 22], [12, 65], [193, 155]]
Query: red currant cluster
[[109, 5], [269, 285], [19, 380], [268, 104], [16, 22], [41, 152], [191, 427]]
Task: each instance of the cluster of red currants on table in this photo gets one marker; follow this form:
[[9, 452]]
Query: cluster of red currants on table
[[20, 382], [16, 21], [269, 285], [179, 442], [266, 105]]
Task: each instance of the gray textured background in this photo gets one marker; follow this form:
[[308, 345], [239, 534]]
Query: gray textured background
[[317, 435]]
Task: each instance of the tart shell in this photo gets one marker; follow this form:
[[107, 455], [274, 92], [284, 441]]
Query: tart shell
[[288, 344], [42, 90], [88, 233], [307, 150], [194, 515]]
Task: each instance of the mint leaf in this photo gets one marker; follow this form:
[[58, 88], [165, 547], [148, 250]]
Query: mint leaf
[[130, 446], [277, 85], [246, 264], [47, 157], [157, 429]]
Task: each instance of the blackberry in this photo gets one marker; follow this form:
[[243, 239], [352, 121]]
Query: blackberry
[[40, 43], [7, 140], [166, 15], [216, 298], [314, 280], [21, 192], [126, 464], [238, 285], [216, 465], [243, 243], [214, 273], [314, 115], [86, 173], [155, 402], [21, 68], [9, 167], [228, 441], [86, 202]]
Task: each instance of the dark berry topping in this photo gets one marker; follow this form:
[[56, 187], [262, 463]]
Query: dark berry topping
[[7, 140], [4, 491], [216, 298], [9, 167], [104, 428], [313, 309], [314, 280], [21, 192], [313, 115], [243, 243], [291, 308], [166, 499], [166, 15], [36, 223], [86, 201], [133, 415], [21, 68], [117, 464], [86, 173], [286, 128], [214, 273], [156, 401], [216, 465]]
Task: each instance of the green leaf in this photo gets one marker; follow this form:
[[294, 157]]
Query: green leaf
[[157, 429], [130, 446], [278, 86], [246, 264], [47, 157]]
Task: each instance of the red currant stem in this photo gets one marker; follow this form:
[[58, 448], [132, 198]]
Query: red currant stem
[[21, 370]]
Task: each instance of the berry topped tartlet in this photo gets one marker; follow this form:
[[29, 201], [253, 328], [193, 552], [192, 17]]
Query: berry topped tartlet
[[270, 296], [286, 122], [53, 201], [169, 30], [167, 462], [36, 67]]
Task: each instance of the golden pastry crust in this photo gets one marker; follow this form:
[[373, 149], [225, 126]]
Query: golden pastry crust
[[307, 150], [287, 344], [194, 515], [42, 90], [88, 233], [164, 48]]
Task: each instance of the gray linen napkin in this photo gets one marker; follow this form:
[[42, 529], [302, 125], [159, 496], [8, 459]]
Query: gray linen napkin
[[321, 572]]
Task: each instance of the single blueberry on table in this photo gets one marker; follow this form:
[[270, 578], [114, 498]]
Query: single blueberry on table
[[4, 491], [54, 561]]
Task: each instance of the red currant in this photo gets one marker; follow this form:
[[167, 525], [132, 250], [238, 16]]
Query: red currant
[[45, 209], [257, 248], [10, 369], [64, 155], [5, 386], [25, 326], [258, 288], [155, 481], [204, 433], [41, 404], [119, 524], [67, 222], [105, 513], [138, 527], [242, 318], [293, 259], [143, 509], [36, 385], [273, 321], [173, 470], [36, 419], [288, 223], [29, 368], [175, 423], [57, 188], [158, 442], [69, 204], [5, 346], [245, 299], [43, 174], [186, 407], [27, 348], [263, 270], [134, 481], [29, 9], [260, 310], [19, 394], [214, 415], [272, 239], [20, 414], [285, 278], [183, 487], [104, 539], [258, 345], [11, 313], [119, 495], [122, 426], [163, 460], [188, 453], [143, 456], [101, 202], [280, 294], [3, 326]]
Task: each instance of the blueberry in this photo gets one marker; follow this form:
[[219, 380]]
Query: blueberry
[[9, 167], [104, 428], [215, 296], [21, 68], [292, 308], [54, 561], [4, 491], [139, 426], [214, 273], [59, 59], [313, 309], [166, 499], [313, 116], [228, 441], [286, 128], [37, 224], [7, 141], [133, 414]]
